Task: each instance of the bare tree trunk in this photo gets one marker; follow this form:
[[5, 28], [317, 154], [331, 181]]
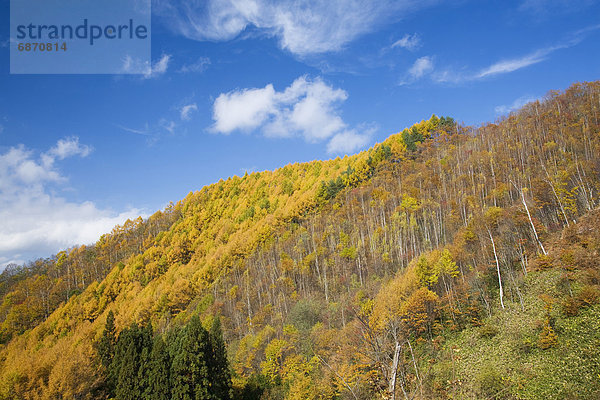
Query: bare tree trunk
[[497, 269], [532, 225], [416, 369], [394, 371]]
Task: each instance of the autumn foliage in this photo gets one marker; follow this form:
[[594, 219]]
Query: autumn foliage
[[347, 278]]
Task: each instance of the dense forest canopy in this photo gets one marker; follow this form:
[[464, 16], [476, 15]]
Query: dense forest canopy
[[446, 262]]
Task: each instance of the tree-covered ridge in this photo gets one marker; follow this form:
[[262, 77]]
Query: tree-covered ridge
[[256, 202], [30, 293], [439, 240]]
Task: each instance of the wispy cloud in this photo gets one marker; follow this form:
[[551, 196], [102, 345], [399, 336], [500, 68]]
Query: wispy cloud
[[168, 125], [307, 108], [537, 56], [196, 67], [408, 42], [159, 67], [515, 105], [506, 66], [36, 221], [68, 147], [420, 68], [187, 110], [135, 66], [307, 27], [143, 132]]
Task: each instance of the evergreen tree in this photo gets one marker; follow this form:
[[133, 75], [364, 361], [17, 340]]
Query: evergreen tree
[[219, 365], [159, 386], [144, 346], [126, 364], [106, 350], [129, 367], [106, 345], [189, 372]]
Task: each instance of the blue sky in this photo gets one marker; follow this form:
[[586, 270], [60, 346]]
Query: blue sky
[[241, 85]]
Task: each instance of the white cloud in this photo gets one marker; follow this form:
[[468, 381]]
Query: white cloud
[[306, 27], [135, 66], [307, 108], [143, 132], [244, 110], [537, 56], [168, 125], [456, 76], [69, 147], [35, 220], [421, 67], [160, 67], [518, 103], [349, 141], [449, 75], [187, 110], [409, 42], [506, 66], [199, 66]]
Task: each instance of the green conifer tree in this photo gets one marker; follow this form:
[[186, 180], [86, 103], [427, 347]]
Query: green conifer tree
[[189, 371], [219, 366], [126, 364], [129, 366], [106, 350], [159, 385]]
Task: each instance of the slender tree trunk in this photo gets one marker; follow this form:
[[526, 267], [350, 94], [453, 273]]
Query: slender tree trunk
[[394, 371], [416, 369], [532, 225], [497, 269]]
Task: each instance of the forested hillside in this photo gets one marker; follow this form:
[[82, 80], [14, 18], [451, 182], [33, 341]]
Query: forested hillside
[[446, 262]]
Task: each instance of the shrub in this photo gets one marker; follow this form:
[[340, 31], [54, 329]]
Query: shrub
[[490, 384], [488, 331]]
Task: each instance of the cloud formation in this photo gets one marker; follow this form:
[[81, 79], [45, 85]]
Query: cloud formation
[[518, 103], [506, 66], [307, 108], [350, 140], [35, 220], [135, 66], [196, 67], [307, 27], [420, 68], [187, 110], [424, 66], [408, 42]]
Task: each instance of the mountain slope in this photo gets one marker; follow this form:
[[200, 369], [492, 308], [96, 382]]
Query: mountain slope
[[357, 276]]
